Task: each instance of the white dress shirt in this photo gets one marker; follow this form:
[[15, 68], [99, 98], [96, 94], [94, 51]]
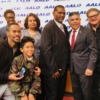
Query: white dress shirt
[[58, 24], [76, 33]]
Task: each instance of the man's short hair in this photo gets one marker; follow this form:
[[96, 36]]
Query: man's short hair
[[92, 9], [58, 6], [8, 11], [73, 13], [11, 25], [26, 39]]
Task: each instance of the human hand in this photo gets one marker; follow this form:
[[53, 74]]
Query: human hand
[[37, 71], [88, 72], [55, 75], [31, 97], [14, 77], [25, 97]]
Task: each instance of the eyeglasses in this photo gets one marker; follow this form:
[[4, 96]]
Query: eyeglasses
[[90, 17]]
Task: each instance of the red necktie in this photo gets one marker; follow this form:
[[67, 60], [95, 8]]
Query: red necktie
[[73, 39]]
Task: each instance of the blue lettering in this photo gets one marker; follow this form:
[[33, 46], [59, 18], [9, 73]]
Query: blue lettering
[[41, 28], [3, 1], [22, 0], [43, 14], [93, 4], [41, 0], [16, 8], [1, 22], [49, 7], [82, 12], [28, 8], [66, 20], [68, 27], [73, 5], [1, 15], [19, 21], [22, 15], [46, 21], [67, 13]]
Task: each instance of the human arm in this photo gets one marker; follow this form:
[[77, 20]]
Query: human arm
[[14, 84], [37, 71], [93, 53], [47, 52], [14, 72]]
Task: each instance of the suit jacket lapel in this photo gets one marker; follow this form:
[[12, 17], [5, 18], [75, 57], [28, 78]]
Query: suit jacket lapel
[[78, 36], [59, 31], [61, 34]]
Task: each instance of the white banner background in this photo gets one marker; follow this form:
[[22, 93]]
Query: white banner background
[[44, 8]]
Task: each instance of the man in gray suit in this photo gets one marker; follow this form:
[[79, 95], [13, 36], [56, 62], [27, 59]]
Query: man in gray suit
[[83, 49], [10, 18]]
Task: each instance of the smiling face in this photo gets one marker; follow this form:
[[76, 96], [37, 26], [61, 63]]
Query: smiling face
[[28, 49], [74, 21], [59, 14], [14, 33], [10, 18], [93, 17], [32, 23]]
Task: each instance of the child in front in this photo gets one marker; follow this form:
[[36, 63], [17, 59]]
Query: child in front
[[30, 83]]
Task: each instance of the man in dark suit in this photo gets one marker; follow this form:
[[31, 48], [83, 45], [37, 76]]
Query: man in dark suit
[[55, 55], [83, 58], [10, 18]]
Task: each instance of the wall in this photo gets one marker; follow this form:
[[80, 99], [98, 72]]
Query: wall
[[44, 8]]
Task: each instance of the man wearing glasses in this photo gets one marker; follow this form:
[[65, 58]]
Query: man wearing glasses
[[94, 23], [10, 18]]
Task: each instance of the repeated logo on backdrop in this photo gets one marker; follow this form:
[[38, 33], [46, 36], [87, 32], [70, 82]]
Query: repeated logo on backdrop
[[44, 8]]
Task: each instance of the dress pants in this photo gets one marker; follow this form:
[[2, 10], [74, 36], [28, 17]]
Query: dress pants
[[96, 86], [5, 93], [54, 88], [81, 86], [42, 95]]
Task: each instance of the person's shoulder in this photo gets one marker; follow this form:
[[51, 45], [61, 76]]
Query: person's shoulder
[[3, 31], [87, 28], [50, 24], [4, 27], [2, 40], [19, 57], [23, 31]]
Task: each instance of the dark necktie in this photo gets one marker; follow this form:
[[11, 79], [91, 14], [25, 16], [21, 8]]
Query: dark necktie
[[73, 40]]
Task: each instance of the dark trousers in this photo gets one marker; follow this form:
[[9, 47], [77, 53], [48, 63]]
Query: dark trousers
[[42, 95], [96, 86], [54, 88], [81, 86]]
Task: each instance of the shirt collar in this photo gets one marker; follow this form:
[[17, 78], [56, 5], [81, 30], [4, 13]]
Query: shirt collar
[[58, 24], [76, 30]]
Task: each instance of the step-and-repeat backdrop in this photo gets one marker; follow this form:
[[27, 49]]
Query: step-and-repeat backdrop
[[43, 9]]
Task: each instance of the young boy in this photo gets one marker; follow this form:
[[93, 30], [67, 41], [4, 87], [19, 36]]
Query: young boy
[[29, 85]]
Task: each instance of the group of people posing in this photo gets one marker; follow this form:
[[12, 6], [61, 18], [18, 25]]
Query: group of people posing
[[34, 63]]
